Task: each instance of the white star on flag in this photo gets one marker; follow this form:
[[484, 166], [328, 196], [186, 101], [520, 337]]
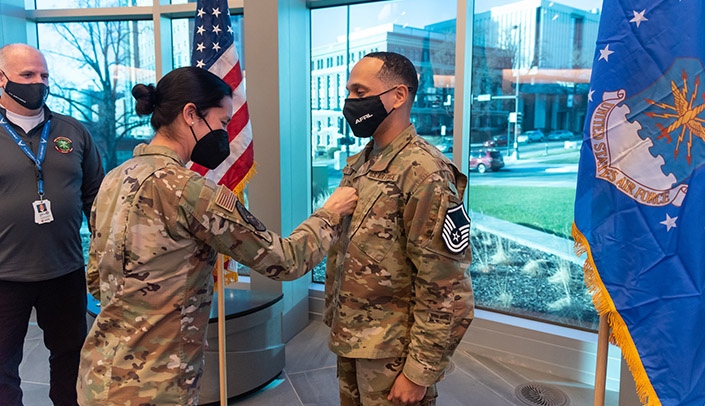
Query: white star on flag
[[200, 47], [201, 12], [590, 93], [605, 53], [216, 29], [638, 18], [201, 30], [670, 222], [220, 58]]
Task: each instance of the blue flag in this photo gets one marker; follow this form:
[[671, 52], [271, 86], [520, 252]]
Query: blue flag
[[640, 199]]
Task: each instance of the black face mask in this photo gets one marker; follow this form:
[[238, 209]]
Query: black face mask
[[29, 95], [211, 150], [365, 114]]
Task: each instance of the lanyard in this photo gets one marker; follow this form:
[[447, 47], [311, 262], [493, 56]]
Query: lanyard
[[41, 153]]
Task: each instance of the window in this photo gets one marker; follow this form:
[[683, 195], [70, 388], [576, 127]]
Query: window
[[425, 24], [57, 4], [529, 64], [95, 87]]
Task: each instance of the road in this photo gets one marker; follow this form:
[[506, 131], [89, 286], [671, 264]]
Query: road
[[540, 164]]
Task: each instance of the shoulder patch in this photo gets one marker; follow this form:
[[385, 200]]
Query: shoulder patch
[[226, 198], [249, 217], [456, 229]]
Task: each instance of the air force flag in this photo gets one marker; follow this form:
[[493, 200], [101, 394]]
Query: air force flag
[[639, 211]]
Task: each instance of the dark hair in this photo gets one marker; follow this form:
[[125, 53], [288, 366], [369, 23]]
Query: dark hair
[[397, 68], [176, 89]]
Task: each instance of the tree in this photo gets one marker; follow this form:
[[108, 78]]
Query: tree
[[97, 65]]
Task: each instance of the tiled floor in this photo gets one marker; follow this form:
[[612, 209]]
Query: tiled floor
[[309, 377]]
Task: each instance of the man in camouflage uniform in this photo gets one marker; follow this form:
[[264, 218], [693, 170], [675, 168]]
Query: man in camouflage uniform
[[398, 295]]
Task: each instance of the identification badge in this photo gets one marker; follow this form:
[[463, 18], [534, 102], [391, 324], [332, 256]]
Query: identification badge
[[42, 211]]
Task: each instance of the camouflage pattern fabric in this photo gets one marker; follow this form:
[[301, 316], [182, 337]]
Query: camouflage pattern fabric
[[368, 382], [157, 227], [393, 289]]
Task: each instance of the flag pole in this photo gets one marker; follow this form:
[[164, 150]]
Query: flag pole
[[601, 367], [223, 384]]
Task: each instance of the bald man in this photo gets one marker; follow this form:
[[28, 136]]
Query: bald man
[[49, 175]]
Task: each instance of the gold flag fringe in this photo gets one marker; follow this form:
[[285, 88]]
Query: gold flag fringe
[[619, 334], [230, 276], [239, 189]]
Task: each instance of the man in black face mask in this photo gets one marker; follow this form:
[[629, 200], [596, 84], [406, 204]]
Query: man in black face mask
[[398, 299], [49, 175]]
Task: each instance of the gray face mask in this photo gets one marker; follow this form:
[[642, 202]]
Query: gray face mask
[[29, 95]]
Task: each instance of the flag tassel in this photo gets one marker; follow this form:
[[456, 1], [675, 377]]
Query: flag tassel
[[619, 334], [239, 189]]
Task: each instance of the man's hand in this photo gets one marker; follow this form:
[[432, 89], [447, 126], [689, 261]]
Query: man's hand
[[342, 201], [405, 392]]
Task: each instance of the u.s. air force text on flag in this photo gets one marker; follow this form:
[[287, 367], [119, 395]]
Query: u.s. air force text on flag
[[640, 192]]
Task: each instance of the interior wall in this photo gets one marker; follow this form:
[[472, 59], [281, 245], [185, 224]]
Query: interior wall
[[13, 26], [278, 94]]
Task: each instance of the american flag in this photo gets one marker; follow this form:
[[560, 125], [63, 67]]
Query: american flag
[[214, 50]]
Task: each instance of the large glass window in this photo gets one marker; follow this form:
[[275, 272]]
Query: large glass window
[[93, 67], [421, 30], [531, 69], [58, 4], [530, 86]]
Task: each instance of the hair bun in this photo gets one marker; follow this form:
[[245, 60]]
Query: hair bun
[[146, 98]]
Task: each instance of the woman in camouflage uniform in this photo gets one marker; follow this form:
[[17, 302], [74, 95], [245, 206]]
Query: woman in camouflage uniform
[[157, 227]]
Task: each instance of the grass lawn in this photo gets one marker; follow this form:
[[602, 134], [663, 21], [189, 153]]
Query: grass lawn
[[549, 209]]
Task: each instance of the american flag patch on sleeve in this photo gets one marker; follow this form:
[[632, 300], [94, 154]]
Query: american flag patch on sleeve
[[225, 198], [456, 229]]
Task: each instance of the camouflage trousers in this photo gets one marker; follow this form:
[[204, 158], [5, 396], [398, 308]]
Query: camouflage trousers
[[367, 382]]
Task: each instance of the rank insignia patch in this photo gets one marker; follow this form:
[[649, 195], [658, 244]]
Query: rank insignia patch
[[456, 229], [249, 217], [63, 145]]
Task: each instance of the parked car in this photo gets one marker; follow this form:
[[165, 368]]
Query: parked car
[[486, 159], [446, 146], [496, 141], [530, 136], [560, 135]]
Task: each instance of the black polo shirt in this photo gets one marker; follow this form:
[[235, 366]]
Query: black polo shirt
[[72, 175]]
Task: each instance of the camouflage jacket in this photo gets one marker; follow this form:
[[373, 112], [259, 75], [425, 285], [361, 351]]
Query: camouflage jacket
[[392, 286], [157, 227]]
